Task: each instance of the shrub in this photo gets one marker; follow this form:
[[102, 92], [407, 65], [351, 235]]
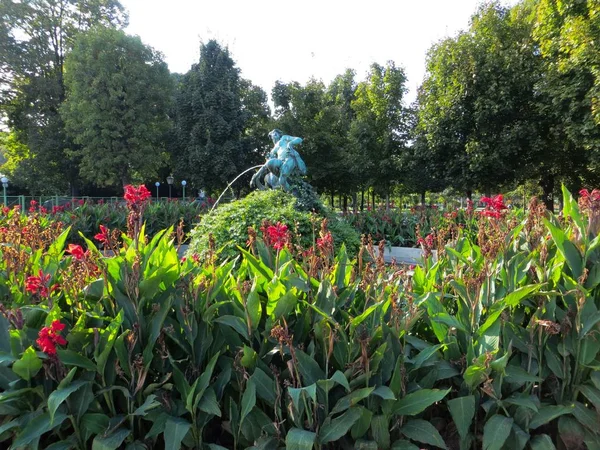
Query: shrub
[[228, 224]]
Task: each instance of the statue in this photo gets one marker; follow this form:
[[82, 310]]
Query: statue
[[282, 162]]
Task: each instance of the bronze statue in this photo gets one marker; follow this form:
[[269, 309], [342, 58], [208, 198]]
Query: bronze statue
[[282, 162]]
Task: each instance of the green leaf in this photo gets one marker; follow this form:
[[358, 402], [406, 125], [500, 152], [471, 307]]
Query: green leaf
[[71, 358], [148, 405], [515, 297], [285, 305], [265, 386], [253, 306], [515, 374], [297, 439], [363, 424], [60, 395], [111, 442], [416, 402], [309, 369], [93, 423], [380, 428], [338, 427], [462, 410], [36, 428], [542, 442], [384, 392], [107, 341], [496, 431], [422, 431], [62, 445], [351, 399], [237, 323], [403, 444], [175, 430], [567, 249], [592, 394], [248, 400], [547, 414], [29, 365]]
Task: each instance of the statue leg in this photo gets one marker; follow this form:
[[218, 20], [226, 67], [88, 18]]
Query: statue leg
[[286, 170]]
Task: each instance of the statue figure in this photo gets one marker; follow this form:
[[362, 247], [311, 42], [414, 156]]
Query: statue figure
[[282, 162]]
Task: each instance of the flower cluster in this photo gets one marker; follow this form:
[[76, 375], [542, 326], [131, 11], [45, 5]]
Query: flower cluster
[[49, 338], [136, 195], [76, 252], [494, 206], [325, 243], [38, 284], [277, 236], [103, 236]]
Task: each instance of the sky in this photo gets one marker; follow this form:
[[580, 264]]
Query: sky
[[294, 41]]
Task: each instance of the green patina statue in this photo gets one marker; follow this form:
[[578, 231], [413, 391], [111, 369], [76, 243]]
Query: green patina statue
[[283, 161]]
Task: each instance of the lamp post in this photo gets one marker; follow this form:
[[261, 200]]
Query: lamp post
[[183, 183], [170, 180], [157, 184], [4, 186]]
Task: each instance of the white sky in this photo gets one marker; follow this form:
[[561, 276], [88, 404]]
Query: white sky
[[294, 41]]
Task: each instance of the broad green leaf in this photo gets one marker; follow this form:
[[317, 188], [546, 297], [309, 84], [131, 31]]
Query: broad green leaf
[[107, 340], [592, 394], [148, 405], [175, 430], [384, 392], [62, 445], [111, 442], [29, 364], [542, 442], [362, 425], [265, 386], [547, 414], [351, 399], [36, 428], [338, 427], [380, 428], [403, 444], [416, 402], [209, 404], [308, 368], [248, 400], [297, 439], [285, 305], [462, 410], [93, 423], [515, 374], [71, 358], [496, 431], [237, 323], [422, 431], [517, 296], [60, 395]]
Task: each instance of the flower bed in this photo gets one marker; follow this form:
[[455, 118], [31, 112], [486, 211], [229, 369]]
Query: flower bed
[[494, 345]]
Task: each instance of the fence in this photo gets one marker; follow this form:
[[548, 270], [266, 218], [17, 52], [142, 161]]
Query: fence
[[49, 202]]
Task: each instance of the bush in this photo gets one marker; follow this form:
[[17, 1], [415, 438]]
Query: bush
[[228, 224], [492, 346]]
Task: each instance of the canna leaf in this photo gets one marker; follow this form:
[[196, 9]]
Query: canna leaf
[[416, 402], [297, 439], [462, 410], [333, 430], [496, 431], [422, 431]]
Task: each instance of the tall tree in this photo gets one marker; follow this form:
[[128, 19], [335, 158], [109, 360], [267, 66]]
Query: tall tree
[[35, 36], [119, 92], [381, 125], [211, 120]]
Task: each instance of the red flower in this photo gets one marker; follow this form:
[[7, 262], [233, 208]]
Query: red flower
[[278, 235], [325, 243], [81, 202], [32, 205], [38, 285], [5, 210], [136, 196], [103, 235], [494, 206], [49, 337], [76, 251], [43, 210]]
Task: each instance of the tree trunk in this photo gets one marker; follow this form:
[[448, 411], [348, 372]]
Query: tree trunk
[[423, 198], [547, 185], [354, 202], [345, 203], [373, 200], [332, 200], [387, 202], [362, 200], [469, 195]]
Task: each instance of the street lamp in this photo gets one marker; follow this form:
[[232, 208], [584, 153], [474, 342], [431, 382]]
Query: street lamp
[[170, 180], [183, 183], [4, 186], [157, 184]]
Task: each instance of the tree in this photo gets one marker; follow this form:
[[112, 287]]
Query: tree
[[485, 113], [35, 36], [116, 108], [211, 121], [381, 125]]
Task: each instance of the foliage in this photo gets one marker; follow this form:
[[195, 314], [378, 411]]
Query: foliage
[[214, 108], [36, 37], [118, 94], [227, 227], [492, 346]]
